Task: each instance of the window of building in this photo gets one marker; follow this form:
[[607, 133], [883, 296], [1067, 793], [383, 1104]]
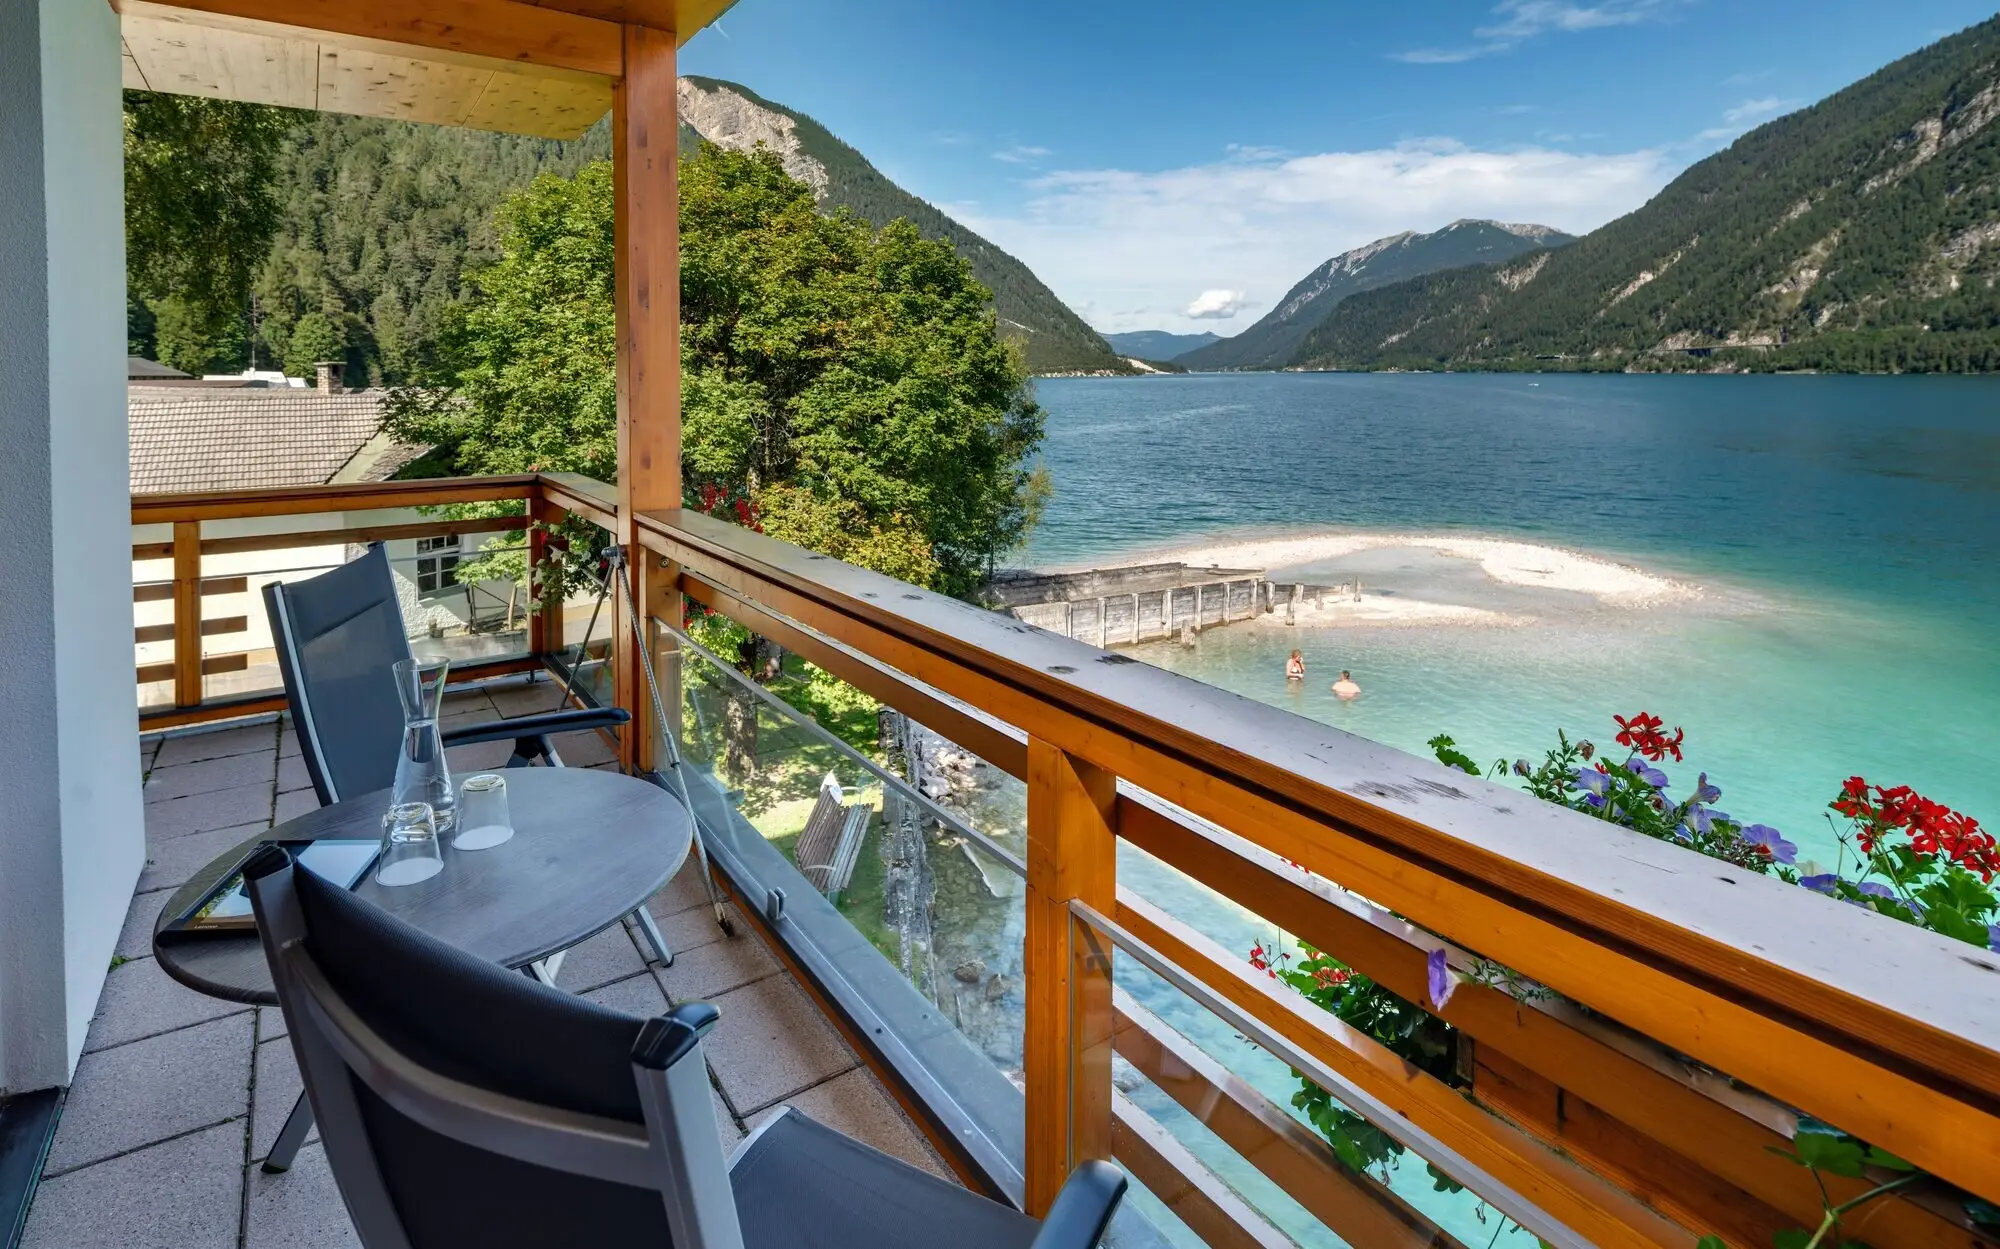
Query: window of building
[[437, 561]]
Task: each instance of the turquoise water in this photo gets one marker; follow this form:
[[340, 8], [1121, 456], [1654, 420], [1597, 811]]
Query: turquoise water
[[1842, 530]]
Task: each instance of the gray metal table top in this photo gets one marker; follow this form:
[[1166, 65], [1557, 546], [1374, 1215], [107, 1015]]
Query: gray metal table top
[[588, 848]]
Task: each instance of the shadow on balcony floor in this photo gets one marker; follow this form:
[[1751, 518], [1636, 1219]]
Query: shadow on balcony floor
[[178, 1096]]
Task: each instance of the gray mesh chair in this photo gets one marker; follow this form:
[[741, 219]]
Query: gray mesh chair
[[461, 1105], [337, 636]]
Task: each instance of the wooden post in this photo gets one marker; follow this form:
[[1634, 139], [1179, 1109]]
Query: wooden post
[[646, 206], [187, 613], [545, 622], [1072, 854]]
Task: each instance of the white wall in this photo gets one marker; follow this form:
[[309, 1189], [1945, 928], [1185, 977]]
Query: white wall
[[72, 837]]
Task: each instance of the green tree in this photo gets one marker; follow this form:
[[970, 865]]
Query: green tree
[[189, 338], [313, 339], [849, 384], [199, 215]]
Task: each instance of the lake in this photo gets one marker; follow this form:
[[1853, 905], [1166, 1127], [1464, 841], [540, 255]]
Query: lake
[[1835, 539]]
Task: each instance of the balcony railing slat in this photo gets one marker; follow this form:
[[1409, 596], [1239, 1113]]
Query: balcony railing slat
[[1725, 1140], [1355, 1206], [1184, 1186], [1433, 1119], [1891, 1039]]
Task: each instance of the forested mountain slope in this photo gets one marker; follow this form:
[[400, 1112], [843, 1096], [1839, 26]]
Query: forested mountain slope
[[1862, 233], [380, 221], [1055, 338], [1273, 341]]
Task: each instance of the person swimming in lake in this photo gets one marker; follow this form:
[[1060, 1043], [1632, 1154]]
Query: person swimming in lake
[[1345, 687], [1295, 667]]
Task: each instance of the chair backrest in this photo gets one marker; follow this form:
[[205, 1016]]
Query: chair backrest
[[338, 636], [461, 1104]]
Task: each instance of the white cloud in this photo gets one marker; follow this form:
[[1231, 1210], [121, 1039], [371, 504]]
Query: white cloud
[[1520, 20], [1214, 306], [1021, 154], [1751, 110], [1132, 244]]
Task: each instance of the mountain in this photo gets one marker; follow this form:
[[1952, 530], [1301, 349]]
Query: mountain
[[1862, 233], [1159, 345], [1272, 342], [1055, 339]]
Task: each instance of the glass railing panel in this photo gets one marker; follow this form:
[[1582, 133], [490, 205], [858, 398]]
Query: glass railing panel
[[1307, 1156]]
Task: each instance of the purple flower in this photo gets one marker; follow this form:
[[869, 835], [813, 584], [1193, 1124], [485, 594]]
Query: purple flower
[[1705, 792], [1698, 819], [1647, 772], [1773, 843], [1823, 883], [1993, 936], [1874, 888], [1597, 783], [1442, 985]]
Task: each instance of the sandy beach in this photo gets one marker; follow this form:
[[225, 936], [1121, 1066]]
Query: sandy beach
[[1509, 562], [1376, 610]]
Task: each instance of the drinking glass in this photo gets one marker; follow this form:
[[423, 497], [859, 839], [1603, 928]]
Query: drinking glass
[[482, 813], [410, 851], [422, 775]]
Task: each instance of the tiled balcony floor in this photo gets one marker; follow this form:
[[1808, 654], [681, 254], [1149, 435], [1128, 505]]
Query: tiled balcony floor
[[179, 1096]]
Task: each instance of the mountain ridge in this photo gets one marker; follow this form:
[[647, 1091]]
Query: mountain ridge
[[1273, 341], [1861, 233], [1159, 345]]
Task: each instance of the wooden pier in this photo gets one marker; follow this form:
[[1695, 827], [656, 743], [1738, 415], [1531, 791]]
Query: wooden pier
[[1109, 607]]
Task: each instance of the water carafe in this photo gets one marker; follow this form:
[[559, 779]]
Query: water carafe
[[421, 772]]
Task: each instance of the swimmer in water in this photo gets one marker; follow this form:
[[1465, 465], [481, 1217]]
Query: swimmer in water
[[1345, 687], [1295, 667]]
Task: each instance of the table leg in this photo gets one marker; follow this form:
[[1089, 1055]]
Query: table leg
[[290, 1137], [654, 937]]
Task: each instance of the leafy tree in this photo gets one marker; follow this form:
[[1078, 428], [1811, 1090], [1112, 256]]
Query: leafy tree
[[848, 385], [187, 337], [199, 215], [313, 339]]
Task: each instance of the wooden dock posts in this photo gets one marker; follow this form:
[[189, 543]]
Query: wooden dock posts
[[1128, 606]]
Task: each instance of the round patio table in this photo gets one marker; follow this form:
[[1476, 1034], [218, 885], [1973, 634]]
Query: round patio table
[[589, 847]]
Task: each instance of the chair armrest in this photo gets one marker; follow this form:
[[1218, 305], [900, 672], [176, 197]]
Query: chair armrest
[[1083, 1208], [536, 725]]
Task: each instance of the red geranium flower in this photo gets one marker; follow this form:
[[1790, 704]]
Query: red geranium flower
[[1642, 733]]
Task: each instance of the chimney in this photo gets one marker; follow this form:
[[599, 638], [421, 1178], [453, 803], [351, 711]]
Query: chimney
[[329, 376]]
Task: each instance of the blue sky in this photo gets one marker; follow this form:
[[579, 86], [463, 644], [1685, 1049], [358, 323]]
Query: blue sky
[[1149, 160]]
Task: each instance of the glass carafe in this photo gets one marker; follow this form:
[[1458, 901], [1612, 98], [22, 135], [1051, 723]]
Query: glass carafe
[[421, 772]]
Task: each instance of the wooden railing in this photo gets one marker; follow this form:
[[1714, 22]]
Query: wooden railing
[[197, 527], [1702, 1009]]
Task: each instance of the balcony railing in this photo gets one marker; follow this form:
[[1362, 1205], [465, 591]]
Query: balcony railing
[[1698, 1010]]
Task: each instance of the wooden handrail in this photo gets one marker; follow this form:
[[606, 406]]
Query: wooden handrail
[[153, 509], [1892, 1037]]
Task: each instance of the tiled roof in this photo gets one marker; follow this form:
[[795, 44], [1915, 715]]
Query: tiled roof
[[198, 438], [138, 367]]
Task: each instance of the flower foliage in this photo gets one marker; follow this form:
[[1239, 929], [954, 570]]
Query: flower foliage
[[1914, 859]]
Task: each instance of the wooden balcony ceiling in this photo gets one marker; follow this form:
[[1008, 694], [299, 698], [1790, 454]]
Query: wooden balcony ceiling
[[526, 68]]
